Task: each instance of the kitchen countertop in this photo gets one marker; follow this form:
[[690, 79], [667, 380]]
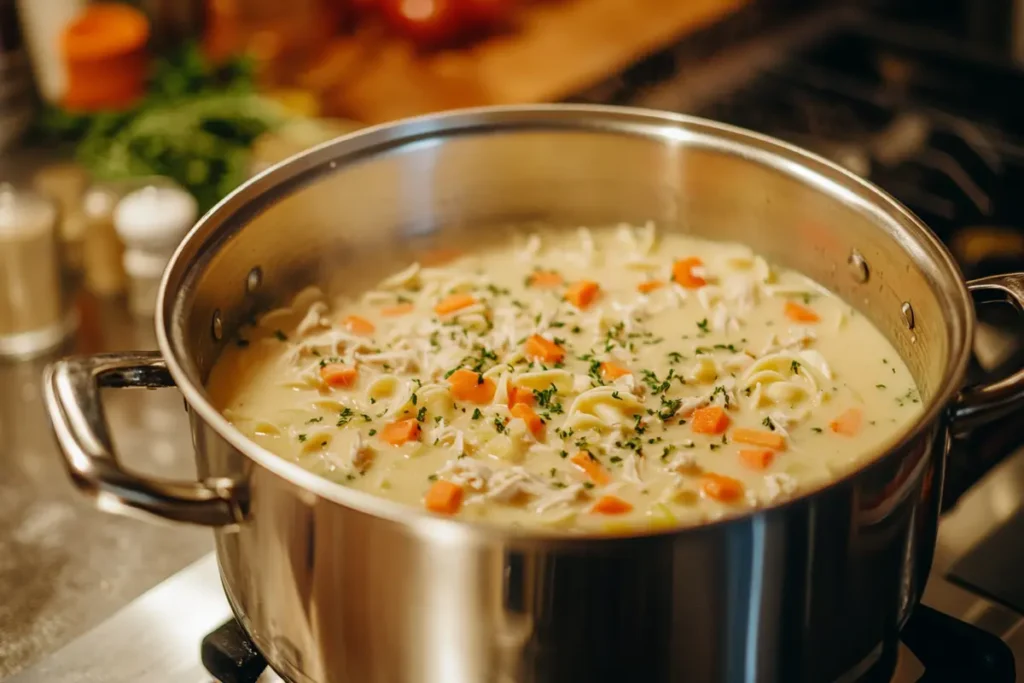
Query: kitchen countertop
[[64, 565]]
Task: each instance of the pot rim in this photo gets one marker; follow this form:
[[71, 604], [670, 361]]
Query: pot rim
[[223, 218]]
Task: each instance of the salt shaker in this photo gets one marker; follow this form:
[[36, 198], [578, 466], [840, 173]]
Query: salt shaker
[[35, 313], [151, 222]]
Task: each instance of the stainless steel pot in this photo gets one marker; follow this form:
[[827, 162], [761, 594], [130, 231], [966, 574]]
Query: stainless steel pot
[[337, 586]]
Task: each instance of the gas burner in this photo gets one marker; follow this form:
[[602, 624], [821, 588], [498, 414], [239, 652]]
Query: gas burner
[[893, 106], [949, 650]]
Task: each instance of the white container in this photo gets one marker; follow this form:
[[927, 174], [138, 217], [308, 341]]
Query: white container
[[151, 223], [43, 23], [35, 315]]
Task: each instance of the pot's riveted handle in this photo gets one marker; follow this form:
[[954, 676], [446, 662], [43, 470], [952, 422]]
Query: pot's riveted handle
[[72, 389], [984, 403]]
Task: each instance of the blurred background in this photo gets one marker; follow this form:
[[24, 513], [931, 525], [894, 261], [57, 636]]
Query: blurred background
[[99, 99], [122, 122]]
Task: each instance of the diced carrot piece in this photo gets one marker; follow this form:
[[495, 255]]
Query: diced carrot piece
[[611, 505], [471, 387], [453, 302], [682, 273], [757, 458], [444, 497], [848, 423], [358, 325], [397, 310], [611, 371], [338, 375], [581, 294], [800, 314], [759, 437], [591, 467], [400, 432], [709, 420], [532, 419], [519, 395], [649, 286], [545, 278], [544, 350], [721, 487]]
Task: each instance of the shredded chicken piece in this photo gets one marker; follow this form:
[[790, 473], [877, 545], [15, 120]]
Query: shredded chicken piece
[[509, 484]]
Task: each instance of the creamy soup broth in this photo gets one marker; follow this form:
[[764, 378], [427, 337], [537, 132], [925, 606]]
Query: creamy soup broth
[[579, 380]]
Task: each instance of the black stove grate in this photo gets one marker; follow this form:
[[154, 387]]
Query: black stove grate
[[952, 651]]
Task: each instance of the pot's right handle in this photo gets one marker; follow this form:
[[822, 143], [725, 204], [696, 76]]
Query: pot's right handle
[[72, 389], [984, 403]]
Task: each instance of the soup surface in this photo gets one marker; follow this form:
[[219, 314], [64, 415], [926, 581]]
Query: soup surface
[[581, 380]]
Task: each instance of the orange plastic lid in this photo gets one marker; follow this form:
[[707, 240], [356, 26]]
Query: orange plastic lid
[[103, 30]]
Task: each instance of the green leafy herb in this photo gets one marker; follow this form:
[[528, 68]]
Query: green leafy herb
[[669, 407]]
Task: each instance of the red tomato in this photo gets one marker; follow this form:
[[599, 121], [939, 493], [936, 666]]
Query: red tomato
[[429, 23], [485, 13], [361, 7]]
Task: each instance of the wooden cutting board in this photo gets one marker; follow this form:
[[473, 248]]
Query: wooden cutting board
[[557, 49]]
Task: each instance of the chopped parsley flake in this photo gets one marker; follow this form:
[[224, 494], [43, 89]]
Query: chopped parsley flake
[[280, 335], [302, 438], [909, 397], [669, 407], [345, 417], [314, 420], [767, 422], [422, 414], [703, 325], [477, 414]]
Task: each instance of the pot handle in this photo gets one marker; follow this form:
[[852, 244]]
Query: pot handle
[[72, 391], [984, 403]]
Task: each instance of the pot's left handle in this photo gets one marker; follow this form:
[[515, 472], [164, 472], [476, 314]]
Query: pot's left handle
[[72, 390]]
